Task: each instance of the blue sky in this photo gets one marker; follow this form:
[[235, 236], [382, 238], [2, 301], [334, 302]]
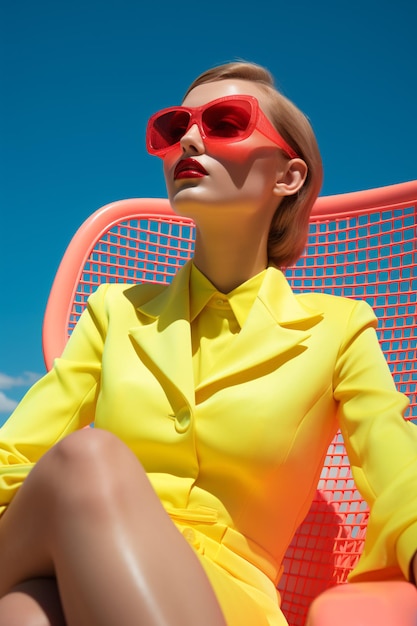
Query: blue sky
[[79, 80]]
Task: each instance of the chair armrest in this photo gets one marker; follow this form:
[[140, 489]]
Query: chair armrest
[[391, 603]]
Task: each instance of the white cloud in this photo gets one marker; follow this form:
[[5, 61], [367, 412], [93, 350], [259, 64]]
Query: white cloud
[[6, 404], [24, 380]]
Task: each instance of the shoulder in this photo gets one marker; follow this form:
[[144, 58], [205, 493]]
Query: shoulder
[[340, 308], [110, 296]]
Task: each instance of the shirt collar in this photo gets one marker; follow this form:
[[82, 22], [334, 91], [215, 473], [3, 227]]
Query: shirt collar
[[240, 299]]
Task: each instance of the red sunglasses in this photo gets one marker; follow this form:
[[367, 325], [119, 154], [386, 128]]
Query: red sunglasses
[[228, 119]]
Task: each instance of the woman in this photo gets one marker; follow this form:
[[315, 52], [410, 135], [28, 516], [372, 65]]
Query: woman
[[210, 398]]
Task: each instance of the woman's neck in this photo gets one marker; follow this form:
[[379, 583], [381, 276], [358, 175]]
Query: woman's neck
[[230, 257]]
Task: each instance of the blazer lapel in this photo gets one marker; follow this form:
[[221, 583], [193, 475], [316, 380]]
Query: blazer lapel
[[164, 338], [276, 325]]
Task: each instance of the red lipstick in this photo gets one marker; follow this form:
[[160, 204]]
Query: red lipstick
[[189, 168]]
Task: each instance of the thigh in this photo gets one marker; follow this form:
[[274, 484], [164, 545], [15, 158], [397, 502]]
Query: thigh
[[32, 603], [119, 522], [68, 477]]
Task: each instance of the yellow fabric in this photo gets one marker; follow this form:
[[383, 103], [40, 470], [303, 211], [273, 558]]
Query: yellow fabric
[[236, 457], [240, 300], [216, 318]]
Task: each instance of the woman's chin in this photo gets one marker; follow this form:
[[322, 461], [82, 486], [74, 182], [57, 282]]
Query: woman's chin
[[189, 196]]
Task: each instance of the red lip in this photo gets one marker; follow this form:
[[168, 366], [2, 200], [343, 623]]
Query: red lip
[[189, 168]]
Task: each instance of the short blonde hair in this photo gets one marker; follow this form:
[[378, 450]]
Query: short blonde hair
[[289, 226]]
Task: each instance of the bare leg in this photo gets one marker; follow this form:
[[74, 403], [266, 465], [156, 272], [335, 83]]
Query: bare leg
[[88, 515], [387, 603], [32, 603]]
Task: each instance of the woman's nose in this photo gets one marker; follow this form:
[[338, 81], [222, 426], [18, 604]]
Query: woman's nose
[[192, 140]]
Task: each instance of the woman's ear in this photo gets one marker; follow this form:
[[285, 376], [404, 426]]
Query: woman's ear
[[291, 178]]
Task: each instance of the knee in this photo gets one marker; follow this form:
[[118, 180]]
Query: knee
[[88, 451], [83, 449], [89, 467]]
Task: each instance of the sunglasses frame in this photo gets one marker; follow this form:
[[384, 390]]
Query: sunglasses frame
[[258, 120]]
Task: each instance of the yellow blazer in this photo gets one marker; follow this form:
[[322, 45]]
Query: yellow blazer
[[238, 457]]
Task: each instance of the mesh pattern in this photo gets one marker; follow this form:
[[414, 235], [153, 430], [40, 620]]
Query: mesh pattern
[[371, 256], [328, 543], [138, 250]]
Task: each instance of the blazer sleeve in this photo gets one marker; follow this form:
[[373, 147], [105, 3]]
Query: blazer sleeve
[[61, 402], [382, 448]]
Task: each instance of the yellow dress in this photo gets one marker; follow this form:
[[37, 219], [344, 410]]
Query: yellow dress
[[230, 403]]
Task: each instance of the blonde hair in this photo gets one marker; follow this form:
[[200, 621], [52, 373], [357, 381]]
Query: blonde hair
[[289, 226]]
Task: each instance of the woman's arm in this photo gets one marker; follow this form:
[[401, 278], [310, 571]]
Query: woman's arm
[[382, 448], [60, 403]]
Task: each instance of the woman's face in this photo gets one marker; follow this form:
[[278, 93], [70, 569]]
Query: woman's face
[[241, 175]]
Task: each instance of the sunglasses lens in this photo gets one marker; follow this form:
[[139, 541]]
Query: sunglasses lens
[[168, 128], [227, 119]]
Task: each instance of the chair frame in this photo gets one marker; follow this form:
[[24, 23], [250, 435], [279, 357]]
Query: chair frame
[[299, 588]]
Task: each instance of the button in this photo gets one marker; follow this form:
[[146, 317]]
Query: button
[[221, 302], [182, 420], [189, 535]]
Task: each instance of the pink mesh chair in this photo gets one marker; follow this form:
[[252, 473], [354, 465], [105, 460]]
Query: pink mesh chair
[[361, 245]]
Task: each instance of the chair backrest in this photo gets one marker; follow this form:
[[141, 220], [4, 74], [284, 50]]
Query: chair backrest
[[361, 245]]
